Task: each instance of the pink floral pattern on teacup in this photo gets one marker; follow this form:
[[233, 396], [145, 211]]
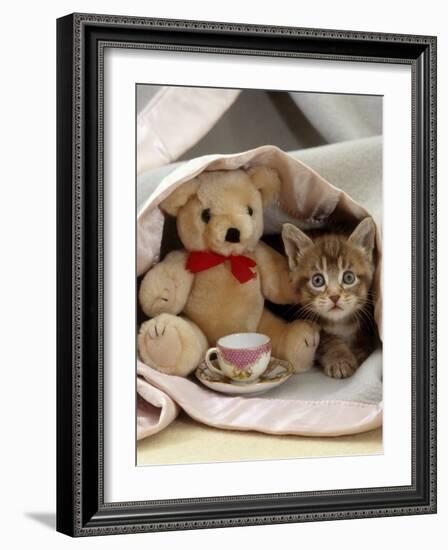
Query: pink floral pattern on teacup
[[244, 358]]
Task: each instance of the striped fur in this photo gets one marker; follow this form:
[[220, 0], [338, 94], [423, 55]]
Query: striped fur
[[333, 274]]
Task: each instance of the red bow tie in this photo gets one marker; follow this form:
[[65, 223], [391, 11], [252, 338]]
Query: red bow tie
[[239, 265]]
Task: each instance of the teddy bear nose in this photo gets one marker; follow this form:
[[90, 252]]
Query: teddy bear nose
[[233, 235]]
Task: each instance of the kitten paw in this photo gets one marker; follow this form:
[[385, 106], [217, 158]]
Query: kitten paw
[[340, 368]]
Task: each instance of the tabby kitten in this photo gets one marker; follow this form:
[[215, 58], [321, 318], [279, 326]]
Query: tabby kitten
[[333, 275]]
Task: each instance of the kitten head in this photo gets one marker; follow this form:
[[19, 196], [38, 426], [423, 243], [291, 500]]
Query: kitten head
[[332, 273]]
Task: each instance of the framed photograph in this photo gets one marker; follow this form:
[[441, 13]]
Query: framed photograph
[[246, 274]]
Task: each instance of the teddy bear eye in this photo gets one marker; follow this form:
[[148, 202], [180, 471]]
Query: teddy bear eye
[[205, 215], [250, 210]]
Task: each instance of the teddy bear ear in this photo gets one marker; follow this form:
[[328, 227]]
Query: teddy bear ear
[[178, 198], [267, 181]]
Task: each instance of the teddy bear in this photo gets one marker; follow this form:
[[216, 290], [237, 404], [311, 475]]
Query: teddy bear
[[217, 284]]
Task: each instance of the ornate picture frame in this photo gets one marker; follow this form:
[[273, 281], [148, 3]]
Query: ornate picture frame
[[81, 506]]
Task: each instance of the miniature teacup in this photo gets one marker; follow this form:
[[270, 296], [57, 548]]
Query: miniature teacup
[[242, 357]]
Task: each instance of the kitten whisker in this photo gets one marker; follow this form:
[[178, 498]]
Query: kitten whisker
[[364, 321], [307, 314], [292, 309], [367, 316]]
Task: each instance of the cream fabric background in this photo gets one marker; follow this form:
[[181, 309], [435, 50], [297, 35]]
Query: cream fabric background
[[238, 121]]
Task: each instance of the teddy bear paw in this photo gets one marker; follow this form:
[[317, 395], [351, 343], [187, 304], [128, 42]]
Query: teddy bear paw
[[159, 343], [171, 344], [306, 341]]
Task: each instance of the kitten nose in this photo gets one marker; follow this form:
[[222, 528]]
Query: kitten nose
[[233, 235], [334, 298]]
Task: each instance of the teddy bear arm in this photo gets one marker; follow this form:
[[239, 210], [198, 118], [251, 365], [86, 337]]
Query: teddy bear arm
[[166, 287], [275, 278]]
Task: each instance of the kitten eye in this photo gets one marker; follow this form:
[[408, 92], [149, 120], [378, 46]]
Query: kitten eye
[[318, 280], [205, 215], [250, 211], [348, 277]]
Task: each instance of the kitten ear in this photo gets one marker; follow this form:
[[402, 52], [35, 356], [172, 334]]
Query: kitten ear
[[295, 242], [364, 236]]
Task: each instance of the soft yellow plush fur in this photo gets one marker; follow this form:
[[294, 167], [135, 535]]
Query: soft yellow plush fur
[[214, 303]]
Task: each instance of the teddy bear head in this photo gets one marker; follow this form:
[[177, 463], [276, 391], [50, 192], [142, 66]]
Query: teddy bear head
[[222, 211]]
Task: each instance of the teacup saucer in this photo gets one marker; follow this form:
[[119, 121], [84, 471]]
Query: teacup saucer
[[277, 372]]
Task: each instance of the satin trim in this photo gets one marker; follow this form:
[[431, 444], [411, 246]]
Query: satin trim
[[307, 418]]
